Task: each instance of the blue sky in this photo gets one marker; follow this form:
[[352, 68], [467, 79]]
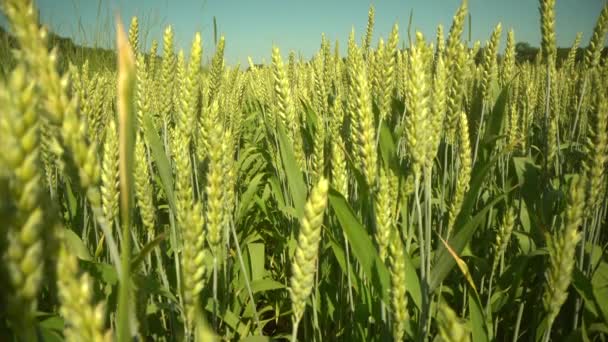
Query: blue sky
[[252, 27]]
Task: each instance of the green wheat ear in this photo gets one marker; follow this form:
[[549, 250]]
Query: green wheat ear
[[383, 215], [418, 120], [464, 172], [367, 42], [143, 100], [490, 63], [59, 108], [562, 248], [193, 261], [217, 70], [167, 77], [215, 188], [109, 173], [504, 235], [438, 106], [508, 64], [398, 281], [455, 62], [23, 258], [317, 165], [134, 35], [84, 320], [596, 149], [362, 115], [304, 262], [571, 59], [547, 28], [284, 103], [596, 43], [189, 95], [285, 107], [338, 170], [144, 192], [451, 327]]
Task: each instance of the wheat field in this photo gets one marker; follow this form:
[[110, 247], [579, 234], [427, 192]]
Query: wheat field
[[423, 189]]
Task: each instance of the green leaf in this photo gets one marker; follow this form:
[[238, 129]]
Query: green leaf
[[496, 120], [413, 283], [444, 262], [246, 200], [600, 288], [478, 176], [341, 258], [529, 179], [479, 328], [100, 271], [263, 285], [297, 187], [584, 288], [361, 245], [275, 186], [50, 327], [147, 249], [160, 158], [71, 199], [464, 226], [256, 339], [75, 245], [52, 322], [387, 146], [149, 285], [256, 259], [510, 281], [227, 316], [49, 335]]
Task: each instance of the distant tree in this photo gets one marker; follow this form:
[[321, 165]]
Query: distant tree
[[522, 47], [524, 52]]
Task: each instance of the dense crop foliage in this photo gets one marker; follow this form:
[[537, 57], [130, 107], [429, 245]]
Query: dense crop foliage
[[442, 191]]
